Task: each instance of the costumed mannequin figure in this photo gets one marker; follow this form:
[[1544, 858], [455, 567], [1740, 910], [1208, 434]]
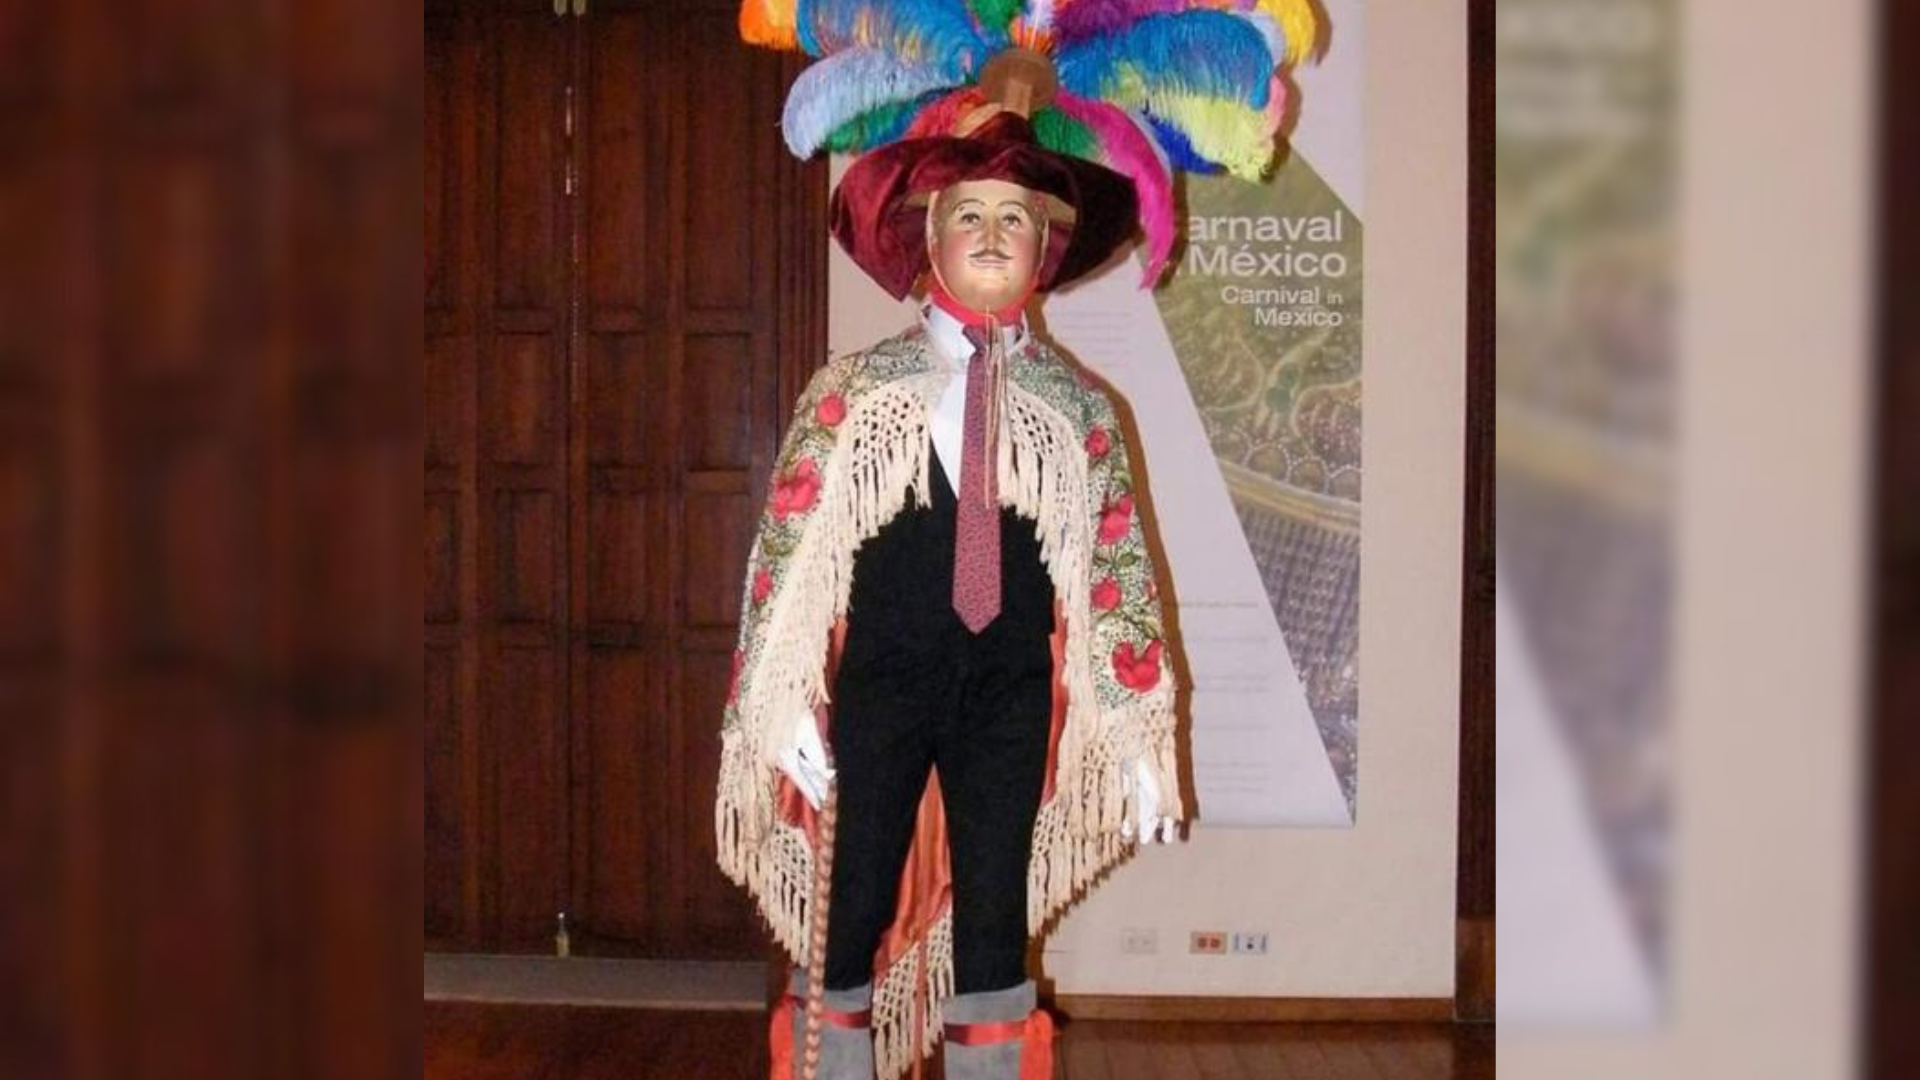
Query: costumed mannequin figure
[[952, 706]]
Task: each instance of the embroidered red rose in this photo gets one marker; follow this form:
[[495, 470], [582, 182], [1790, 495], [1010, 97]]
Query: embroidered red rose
[[1137, 673], [794, 494], [1116, 519], [1098, 443], [733, 680], [831, 410], [762, 585], [1106, 595]]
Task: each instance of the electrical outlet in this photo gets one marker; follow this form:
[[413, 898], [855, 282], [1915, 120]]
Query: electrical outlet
[[1247, 943], [1140, 941], [1209, 943]]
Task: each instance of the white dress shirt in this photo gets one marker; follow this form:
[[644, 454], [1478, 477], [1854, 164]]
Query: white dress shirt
[[948, 422]]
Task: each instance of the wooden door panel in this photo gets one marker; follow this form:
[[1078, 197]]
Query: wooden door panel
[[203, 58], [351, 206], [344, 56], [609, 362], [626, 167], [449, 371], [349, 588], [33, 543], [623, 531], [719, 530], [178, 267], [178, 584], [521, 485], [623, 830], [720, 382], [623, 400], [528, 91], [449, 127], [31, 562], [33, 285], [678, 168], [454, 834], [178, 766], [619, 888], [35, 905], [523, 391], [28, 51], [190, 374], [725, 223], [447, 875], [525, 690], [525, 529], [441, 533]]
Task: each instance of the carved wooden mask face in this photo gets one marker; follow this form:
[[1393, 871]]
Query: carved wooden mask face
[[985, 239]]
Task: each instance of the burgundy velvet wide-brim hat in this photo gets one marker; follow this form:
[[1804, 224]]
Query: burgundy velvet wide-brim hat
[[879, 210]]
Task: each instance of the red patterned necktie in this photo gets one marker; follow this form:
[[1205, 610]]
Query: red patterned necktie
[[976, 542]]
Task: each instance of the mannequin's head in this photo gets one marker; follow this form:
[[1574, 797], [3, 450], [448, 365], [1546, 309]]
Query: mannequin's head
[[985, 239]]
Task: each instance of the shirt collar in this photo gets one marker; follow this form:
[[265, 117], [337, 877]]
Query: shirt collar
[[949, 334]]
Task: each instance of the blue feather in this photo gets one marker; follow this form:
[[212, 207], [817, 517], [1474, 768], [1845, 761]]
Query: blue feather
[[1206, 52], [937, 33], [803, 26], [1180, 153], [851, 82]]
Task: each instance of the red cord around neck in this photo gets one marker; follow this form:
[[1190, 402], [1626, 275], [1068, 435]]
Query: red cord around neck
[[949, 303]]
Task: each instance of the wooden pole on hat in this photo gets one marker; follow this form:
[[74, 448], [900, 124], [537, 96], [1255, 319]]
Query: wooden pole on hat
[[1016, 80]]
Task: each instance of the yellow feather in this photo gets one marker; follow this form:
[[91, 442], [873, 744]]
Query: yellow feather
[[1233, 134], [1224, 131], [1299, 22]]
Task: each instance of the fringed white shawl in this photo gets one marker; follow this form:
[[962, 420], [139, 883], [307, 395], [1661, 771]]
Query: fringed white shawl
[[856, 450]]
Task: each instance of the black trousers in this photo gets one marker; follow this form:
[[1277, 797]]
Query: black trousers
[[916, 690]]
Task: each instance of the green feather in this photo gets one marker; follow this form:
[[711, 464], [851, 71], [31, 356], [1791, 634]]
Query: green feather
[[995, 14], [872, 127], [1062, 134]]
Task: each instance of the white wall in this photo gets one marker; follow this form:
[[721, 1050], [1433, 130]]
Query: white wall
[[1774, 391], [1366, 911]]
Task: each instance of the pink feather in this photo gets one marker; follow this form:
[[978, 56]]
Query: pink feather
[[1091, 18], [1127, 151], [1276, 113]]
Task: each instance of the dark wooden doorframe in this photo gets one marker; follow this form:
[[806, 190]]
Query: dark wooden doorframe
[[1892, 1050], [1474, 941]]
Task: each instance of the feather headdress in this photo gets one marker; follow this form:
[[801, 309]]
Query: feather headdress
[[1147, 87]]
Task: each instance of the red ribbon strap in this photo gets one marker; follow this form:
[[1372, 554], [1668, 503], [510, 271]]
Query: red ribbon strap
[[986, 1034]]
